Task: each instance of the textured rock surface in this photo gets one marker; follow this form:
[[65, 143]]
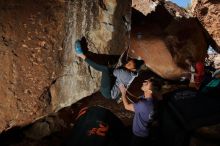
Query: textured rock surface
[[39, 72], [145, 6], [105, 26], [208, 12], [166, 38], [32, 34]]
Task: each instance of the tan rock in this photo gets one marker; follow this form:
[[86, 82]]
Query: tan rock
[[47, 61], [145, 6], [207, 11], [165, 40]]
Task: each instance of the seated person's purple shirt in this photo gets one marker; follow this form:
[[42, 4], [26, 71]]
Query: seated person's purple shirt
[[143, 114]]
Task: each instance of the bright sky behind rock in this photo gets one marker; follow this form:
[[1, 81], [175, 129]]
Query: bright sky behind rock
[[182, 3]]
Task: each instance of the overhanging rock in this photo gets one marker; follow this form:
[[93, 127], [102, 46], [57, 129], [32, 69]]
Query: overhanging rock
[[167, 39], [145, 6]]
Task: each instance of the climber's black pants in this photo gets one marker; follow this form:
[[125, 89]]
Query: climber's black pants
[[107, 72]]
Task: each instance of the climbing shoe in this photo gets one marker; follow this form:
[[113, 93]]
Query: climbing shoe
[[78, 47]]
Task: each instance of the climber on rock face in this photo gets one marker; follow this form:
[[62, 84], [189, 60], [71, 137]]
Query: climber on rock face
[[124, 74]]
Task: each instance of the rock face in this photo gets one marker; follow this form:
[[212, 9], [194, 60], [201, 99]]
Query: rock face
[[145, 6], [105, 26], [39, 71], [167, 39], [32, 34], [208, 12]]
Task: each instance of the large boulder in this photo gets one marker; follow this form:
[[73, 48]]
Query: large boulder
[[32, 33], [168, 39], [39, 71]]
